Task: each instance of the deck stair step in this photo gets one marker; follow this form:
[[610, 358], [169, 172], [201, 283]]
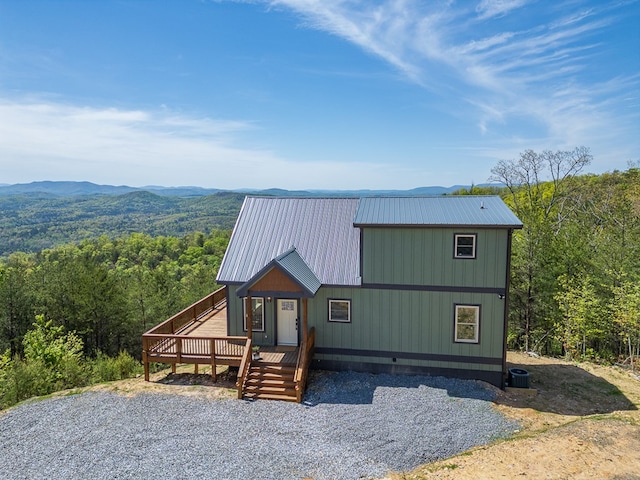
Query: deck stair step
[[270, 381]]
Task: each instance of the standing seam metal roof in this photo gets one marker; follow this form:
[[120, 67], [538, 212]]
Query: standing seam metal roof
[[320, 229], [467, 210], [294, 266]]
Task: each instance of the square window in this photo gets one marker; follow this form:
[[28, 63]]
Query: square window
[[465, 245], [340, 311], [257, 314], [467, 323]]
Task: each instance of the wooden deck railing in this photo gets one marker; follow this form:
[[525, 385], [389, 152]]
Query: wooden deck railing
[[302, 365], [167, 348], [167, 343], [244, 369], [190, 314]]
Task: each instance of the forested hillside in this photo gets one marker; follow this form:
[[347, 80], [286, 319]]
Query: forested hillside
[[74, 314], [35, 221], [107, 291]]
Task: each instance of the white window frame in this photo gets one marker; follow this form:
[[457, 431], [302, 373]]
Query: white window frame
[[456, 245], [475, 324], [256, 303], [340, 300]]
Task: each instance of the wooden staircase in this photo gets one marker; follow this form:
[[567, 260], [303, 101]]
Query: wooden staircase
[[276, 377], [271, 381]]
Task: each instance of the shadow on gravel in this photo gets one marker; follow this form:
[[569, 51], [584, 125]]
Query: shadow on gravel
[[225, 379], [351, 388], [567, 390]]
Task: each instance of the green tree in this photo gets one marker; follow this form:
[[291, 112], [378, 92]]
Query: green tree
[[539, 186], [84, 296], [53, 347], [625, 310], [16, 301], [582, 314]]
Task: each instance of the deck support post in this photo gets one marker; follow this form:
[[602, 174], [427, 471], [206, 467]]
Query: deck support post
[[145, 360], [212, 349], [249, 311], [145, 363], [195, 369], [305, 321]]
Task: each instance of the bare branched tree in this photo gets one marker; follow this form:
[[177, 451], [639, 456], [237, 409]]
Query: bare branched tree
[[532, 169], [541, 186]]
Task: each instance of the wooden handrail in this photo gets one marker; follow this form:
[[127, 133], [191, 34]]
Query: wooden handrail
[[190, 314], [302, 364], [160, 344], [303, 354], [299, 361], [244, 368], [197, 337]]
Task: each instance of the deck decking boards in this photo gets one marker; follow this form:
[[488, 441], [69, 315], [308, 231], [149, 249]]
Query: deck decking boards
[[278, 354], [213, 324]]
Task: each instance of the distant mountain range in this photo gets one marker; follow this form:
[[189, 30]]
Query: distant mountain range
[[71, 189], [40, 215]]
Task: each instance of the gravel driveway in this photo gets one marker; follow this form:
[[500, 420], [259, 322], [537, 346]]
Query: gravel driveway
[[350, 426]]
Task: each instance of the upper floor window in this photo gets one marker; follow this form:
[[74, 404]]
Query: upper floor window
[[257, 314], [467, 323], [340, 311], [465, 245]]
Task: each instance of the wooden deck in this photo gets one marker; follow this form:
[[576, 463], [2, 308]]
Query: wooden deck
[[198, 335]]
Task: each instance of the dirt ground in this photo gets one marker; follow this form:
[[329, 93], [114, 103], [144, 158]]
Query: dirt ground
[[183, 382], [583, 423]]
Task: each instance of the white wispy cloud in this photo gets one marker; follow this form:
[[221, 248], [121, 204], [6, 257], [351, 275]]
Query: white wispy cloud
[[382, 29], [494, 8], [44, 140], [531, 71]]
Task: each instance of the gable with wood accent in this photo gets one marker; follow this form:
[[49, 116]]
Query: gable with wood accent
[[286, 277]]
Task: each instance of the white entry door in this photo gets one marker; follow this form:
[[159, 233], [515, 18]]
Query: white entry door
[[287, 322]]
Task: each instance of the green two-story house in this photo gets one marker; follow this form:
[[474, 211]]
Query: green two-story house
[[389, 284]]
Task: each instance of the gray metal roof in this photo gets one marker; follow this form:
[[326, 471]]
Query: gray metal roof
[[320, 229], [463, 210], [292, 263], [294, 266]]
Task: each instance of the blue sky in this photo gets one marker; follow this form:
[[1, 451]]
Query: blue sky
[[312, 94]]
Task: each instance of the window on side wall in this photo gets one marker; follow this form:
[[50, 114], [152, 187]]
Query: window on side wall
[[464, 245], [257, 314], [467, 323], [340, 311]]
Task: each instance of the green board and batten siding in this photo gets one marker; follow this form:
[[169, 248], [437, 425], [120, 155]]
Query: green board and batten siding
[[400, 321], [405, 322], [235, 310], [424, 257]]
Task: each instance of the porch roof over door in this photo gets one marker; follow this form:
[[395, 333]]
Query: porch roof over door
[[287, 273]]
